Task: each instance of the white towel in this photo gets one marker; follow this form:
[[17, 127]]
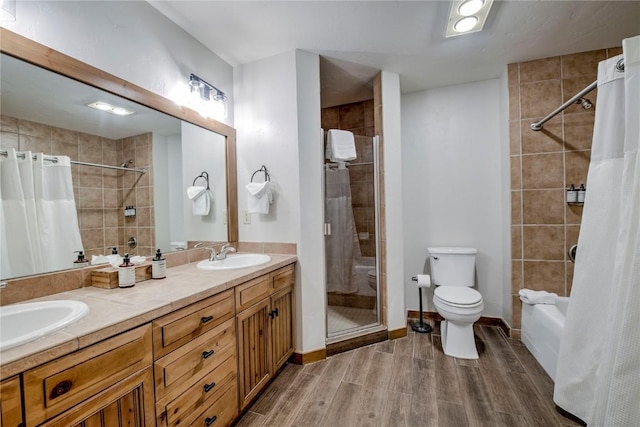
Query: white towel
[[259, 197], [537, 297], [341, 145], [201, 198]]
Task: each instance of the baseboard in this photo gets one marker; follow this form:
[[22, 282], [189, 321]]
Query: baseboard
[[310, 357], [351, 300], [397, 333], [360, 341], [485, 321]]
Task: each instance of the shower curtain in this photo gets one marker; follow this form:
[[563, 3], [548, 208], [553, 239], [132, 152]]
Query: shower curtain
[[341, 246], [38, 218], [598, 373]]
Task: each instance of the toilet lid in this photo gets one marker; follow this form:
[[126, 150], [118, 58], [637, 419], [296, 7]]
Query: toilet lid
[[459, 295]]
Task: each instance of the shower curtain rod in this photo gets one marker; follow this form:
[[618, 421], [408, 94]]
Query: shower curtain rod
[[74, 162], [537, 126]]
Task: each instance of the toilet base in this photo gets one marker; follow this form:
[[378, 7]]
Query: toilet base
[[458, 340]]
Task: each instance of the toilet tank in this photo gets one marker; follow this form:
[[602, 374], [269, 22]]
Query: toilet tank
[[452, 266]]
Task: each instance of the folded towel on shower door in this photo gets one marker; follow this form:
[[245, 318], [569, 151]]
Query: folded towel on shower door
[[341, 145], [537, 297], [201, 198]]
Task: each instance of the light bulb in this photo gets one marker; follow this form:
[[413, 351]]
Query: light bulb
[[470, 7], [465, 24]]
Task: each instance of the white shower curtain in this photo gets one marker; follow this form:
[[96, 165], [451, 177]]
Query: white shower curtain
[[341, 247], [38, 218], [598, 374]]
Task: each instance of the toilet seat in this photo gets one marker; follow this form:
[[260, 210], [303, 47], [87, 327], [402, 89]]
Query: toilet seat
[[458, 296]]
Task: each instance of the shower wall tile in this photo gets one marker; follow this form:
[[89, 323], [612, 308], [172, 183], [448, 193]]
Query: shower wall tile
[[9, 124], [582, 64], [543, 242], [37, 130], [548, 140], [517, 311], [578, 131], [573, 85], [352, 116], [90, 142], [330, 118], [542, 222], [576, 164], [35, 144], [68, 147], [516, 171], [542, 171], [543, 206], [540, 69], [539, 98], [9, 140], [614, 51]]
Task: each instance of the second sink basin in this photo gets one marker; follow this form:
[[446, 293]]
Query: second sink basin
[[21, 323], [232, 262]]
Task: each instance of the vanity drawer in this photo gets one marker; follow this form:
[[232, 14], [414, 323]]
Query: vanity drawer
[[284, 277], [181, 326], [222, 411], [206, 391], [252, 291], [185, 366], [61, 384]]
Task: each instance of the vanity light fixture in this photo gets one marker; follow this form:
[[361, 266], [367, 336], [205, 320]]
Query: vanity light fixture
[[201, 92], [207, 91], [104, 106], [467, 16]]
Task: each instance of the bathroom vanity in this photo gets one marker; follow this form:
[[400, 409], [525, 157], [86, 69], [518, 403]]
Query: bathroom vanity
[[193, 349]]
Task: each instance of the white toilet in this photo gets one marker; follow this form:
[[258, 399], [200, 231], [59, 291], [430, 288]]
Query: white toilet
[[452, 271]]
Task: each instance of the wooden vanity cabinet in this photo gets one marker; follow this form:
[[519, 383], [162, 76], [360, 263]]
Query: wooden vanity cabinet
[[10, 403], [264, 320], [196, 367], [104, 385]]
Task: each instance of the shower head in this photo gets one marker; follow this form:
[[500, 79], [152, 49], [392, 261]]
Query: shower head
[[585, 103], [126, 163]]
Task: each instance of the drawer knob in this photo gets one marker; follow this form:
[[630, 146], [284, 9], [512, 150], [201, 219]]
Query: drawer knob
[[210, 421], [206, 354], [208, 387], [206, 319], [60, 389]]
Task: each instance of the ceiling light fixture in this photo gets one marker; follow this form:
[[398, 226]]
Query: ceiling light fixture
[[105, 106], [467, 16]]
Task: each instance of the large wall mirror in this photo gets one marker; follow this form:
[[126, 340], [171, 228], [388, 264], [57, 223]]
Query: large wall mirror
[[158, 152]]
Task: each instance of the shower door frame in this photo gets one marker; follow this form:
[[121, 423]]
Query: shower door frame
[[377, 325]]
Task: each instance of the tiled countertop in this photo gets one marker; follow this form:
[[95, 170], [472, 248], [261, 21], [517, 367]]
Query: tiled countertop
[[112, 311]]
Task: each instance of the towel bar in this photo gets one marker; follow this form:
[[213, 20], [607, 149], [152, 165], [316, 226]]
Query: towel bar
[[203, 175], [266, 173]]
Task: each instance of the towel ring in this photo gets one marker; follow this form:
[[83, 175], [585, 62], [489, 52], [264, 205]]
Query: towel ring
[[203, 175], [266, 173]]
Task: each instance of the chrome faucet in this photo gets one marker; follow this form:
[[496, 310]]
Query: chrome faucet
[[212, 252], [226, 248]]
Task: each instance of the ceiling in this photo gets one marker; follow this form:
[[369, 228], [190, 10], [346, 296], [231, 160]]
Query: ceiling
[[358, 38]]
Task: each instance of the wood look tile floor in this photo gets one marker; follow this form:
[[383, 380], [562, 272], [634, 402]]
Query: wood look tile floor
[[409, 382]]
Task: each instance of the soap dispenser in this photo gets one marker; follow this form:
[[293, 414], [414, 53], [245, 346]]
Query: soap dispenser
[[81, 261], [126, 273], [158, 266]]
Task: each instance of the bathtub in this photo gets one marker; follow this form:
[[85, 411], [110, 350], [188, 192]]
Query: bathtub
[[541, 332]]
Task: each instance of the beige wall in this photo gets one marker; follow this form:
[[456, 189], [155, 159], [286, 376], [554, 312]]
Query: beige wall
[[101, 194], [544, 164]]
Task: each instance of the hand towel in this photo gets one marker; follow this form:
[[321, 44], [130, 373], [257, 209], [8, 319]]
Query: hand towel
[[259, 197], [341, 145], [537, 297], [201, 199]]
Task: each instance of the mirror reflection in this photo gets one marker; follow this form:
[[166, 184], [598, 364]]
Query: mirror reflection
[[136, 204]]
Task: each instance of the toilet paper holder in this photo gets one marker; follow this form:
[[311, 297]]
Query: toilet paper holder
[[420, 326]]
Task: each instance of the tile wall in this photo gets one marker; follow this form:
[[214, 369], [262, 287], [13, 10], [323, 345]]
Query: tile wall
[[100, 193], [358, 118], [544, 164]]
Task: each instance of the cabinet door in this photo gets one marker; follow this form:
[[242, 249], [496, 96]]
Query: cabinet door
[[10, 403], [281, 315], [254, 362], [127, 403]]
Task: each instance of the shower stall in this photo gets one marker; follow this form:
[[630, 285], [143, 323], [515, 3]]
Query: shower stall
[[352, 242]]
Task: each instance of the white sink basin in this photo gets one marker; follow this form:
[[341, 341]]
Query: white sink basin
[[21, 323], [232, 262]]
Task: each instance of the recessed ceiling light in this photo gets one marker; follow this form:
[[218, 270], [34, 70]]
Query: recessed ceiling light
[[465, 24], [467, 16], [470, 7], [104, 106]]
